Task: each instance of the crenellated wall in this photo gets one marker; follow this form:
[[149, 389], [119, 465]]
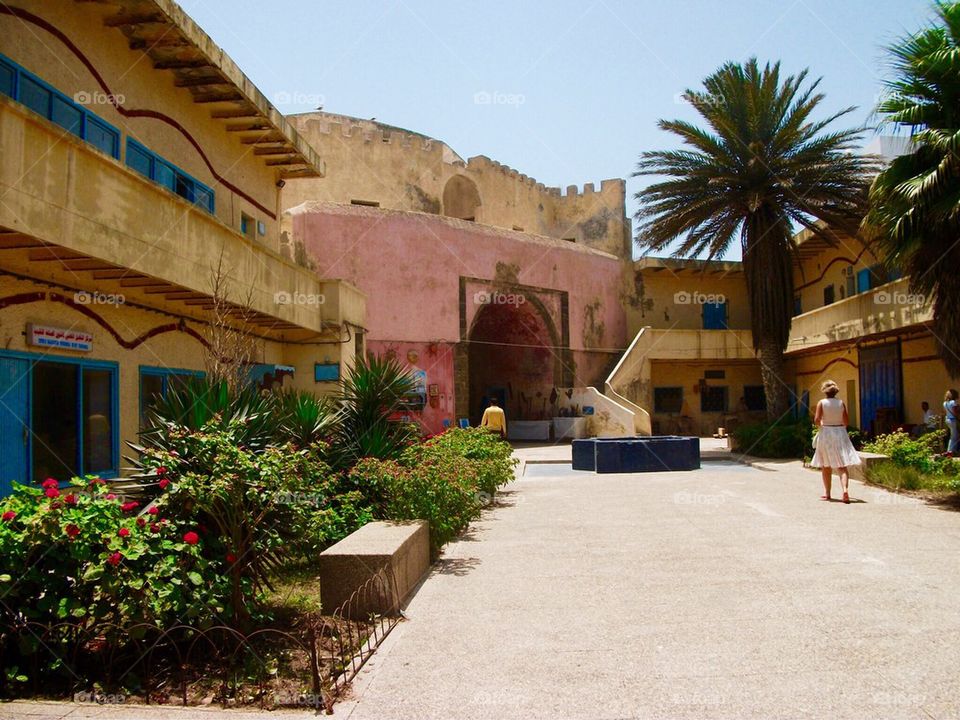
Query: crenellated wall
[[370, 163]]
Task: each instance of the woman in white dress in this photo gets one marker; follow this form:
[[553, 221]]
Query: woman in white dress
[[833, 446]]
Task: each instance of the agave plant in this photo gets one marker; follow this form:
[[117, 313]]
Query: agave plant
[[304, 418], [373, 391]]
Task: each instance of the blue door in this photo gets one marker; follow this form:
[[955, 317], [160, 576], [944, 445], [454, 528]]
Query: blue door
[[14, 422], [880, 388], [715, 316]]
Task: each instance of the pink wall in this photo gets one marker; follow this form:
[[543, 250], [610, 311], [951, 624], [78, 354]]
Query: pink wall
[[410, 266]]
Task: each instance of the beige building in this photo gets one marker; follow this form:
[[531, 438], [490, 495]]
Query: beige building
[[135, 159]]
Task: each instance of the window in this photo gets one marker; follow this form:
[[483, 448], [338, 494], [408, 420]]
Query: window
[[157, 382], [73, 419], [247, 225], [714, 374], [715, 316], [102, 136], [365, 203], [8, 80], [828, 294], [67, 115], [34, 93], [35, 96], [754, 397], [797, 305], [667, 399], [154, 167], [713, 398]]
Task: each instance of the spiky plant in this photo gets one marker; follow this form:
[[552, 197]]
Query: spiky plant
[[762, 167], [915, 201], [374, 390]]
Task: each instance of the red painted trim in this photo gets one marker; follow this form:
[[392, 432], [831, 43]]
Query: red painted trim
[[921, 358], [25, 298], [851, 363], [830, 264], [153, 114]]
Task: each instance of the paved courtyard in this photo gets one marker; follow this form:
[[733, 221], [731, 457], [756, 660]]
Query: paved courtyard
[[730, 592]]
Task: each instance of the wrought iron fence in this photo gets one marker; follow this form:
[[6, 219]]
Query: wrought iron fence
[[309, 665]]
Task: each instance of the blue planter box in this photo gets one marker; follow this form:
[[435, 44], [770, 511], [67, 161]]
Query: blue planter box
[[584, 455], [658, 453]]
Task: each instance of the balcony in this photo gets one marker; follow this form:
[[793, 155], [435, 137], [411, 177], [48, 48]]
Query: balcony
[[69, 209], [879, 311]]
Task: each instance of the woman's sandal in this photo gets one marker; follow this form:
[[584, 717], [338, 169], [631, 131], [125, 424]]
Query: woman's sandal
[[826, 497], [846, 498]]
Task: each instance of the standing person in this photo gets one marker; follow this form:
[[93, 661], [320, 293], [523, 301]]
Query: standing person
[[951, 413], [833, 446], [494, 419]]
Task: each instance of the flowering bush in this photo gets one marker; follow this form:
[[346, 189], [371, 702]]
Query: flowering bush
[[81, 554], [256, 506], [446, 481]]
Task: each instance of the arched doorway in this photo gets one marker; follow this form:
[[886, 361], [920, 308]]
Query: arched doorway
[[461, 199], [512, 355]]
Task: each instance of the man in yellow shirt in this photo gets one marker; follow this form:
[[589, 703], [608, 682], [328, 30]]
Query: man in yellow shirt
[[494, 420]]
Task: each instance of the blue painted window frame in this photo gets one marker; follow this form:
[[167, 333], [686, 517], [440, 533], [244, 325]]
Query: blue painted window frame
[[168, 175], [81, 364], [163, 373], [89, 121], [715, 316]]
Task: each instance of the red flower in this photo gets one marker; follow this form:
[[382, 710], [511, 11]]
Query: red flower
[[115, 559], [128, 506], [124, 532], [51, 492], [49, 483], [72, 530], [161, 471], [154, 528], [231, 558], [70, 499], [110, 496], [163, 484], [191, 538], [154, 510], [9, 515], [98, 481], [141, 522]]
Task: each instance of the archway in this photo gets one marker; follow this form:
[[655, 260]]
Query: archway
[[512, 355], [461, 199]]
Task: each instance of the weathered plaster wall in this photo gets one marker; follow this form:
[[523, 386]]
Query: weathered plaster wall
[[665, 299], [830, 267], [412, 268], [688, 375]]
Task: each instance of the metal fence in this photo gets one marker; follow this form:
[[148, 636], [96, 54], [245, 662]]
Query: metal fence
[[174, 664]]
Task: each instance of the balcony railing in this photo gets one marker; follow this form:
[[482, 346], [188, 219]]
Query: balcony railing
[[884, 309], [61, 190]]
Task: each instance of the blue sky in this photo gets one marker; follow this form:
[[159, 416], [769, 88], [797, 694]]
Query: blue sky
[[575, 88]]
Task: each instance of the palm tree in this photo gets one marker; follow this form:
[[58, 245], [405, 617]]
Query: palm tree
[[915, 201], [762, 168]]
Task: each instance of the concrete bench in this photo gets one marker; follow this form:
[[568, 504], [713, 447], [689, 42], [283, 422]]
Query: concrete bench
[[402, 547]]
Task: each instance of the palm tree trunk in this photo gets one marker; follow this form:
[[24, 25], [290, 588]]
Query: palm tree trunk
[[771, 370]]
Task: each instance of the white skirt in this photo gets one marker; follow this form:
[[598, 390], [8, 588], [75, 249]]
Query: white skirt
[[834, 449]]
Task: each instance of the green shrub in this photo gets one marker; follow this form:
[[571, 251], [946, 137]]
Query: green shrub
[[915, 463], [788, 438], [494, 458], [80, 553], [262, 506]]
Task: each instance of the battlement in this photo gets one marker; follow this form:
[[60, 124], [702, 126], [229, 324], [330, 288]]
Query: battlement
[[316, 125], [481, 163]]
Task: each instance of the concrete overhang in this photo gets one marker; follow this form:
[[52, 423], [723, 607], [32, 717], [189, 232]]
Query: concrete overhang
[[677, 266], [175, 43]]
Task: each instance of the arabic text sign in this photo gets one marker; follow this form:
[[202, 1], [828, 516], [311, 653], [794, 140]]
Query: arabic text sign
[[63, 338]]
